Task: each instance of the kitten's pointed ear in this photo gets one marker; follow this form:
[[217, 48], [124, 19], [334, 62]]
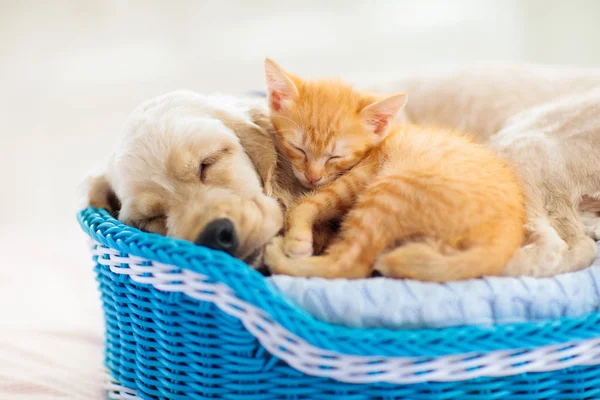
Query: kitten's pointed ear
[[380, 115], [280, 87]]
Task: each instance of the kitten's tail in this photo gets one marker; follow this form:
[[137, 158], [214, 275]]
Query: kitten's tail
[[426, 262]]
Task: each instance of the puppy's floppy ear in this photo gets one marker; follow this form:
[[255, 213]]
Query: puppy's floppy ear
[[257, 140], [101, 195]]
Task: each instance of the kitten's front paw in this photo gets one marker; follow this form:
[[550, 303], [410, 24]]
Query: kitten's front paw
[[298, 244], [275, 258]]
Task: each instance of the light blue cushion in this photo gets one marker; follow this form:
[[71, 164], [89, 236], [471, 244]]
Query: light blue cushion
[[388, 303]]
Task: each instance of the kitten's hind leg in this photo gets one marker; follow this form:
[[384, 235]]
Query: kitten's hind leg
[[432, 261]]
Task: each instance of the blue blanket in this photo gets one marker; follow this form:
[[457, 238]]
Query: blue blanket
[[391, 303]]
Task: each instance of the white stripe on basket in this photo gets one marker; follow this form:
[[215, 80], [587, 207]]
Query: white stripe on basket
[[310, 359], [116, 391]]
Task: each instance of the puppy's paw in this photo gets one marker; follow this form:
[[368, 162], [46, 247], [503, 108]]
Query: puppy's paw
[[591, 224], [540, 258], [593, 230], [298, 244]]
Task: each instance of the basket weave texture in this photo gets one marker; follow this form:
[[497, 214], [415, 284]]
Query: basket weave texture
[[186, 322]]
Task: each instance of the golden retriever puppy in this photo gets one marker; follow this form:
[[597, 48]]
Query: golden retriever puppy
[[199, 168], [546, 122], [205, 169]]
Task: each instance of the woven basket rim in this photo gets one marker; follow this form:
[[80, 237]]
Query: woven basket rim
[[250, 286]]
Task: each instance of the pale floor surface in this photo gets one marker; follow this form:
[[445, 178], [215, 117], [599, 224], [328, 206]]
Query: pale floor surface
[[70, 72]]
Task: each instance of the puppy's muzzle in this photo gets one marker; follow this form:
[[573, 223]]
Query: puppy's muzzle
[[219, 235]]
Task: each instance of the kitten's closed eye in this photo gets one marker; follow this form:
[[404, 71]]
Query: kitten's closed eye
[[334, 158], [299, 150]]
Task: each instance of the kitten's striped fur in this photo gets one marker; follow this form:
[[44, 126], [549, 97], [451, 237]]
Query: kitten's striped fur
[[416, 202]]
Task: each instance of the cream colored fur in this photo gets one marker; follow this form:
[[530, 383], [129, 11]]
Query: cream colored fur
[[546, 123], [154, 170]]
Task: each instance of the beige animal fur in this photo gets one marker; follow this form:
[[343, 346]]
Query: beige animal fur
[[154, 171]]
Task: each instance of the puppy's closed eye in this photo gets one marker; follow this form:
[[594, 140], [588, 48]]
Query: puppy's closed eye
[[204, 166], [153, 219], [155, 224], [209, 161]]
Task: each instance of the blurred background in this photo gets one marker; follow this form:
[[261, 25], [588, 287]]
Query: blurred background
[[71, 72]]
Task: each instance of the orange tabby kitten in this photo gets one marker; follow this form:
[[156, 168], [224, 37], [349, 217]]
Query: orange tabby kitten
[[417, 202]]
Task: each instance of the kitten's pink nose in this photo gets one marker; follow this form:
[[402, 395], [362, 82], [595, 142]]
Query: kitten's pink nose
[[312, 179]]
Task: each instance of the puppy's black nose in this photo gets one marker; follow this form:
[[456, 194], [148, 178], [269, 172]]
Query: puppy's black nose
[[219, 235]]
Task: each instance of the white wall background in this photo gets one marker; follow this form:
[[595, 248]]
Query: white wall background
[[71, 71]]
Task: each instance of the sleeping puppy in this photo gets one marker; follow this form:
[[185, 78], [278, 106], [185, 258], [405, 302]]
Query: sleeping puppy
[[204, 169], [546, 123], [199, 168]]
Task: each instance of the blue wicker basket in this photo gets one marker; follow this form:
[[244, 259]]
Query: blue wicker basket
[[185, 322]]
